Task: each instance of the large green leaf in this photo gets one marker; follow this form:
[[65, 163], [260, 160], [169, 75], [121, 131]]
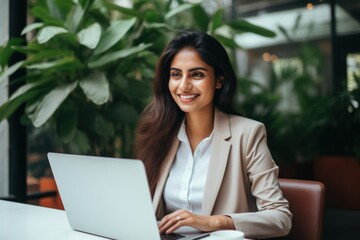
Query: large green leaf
[[216, 20], [7, 50], [90, 36], [114, 34], [245, 26], [229, 42], [63, 7], [117, 55], [103, 127], [22, 90], [43, 14], [201, 18], [31, 27], [153, 16], [50, 103], [54, 11], [74, 17], [10, 70], [56, 64], [66, 122], [22, 50], [96, 87], [127, 11], [43, 65], [158, 25], [225, 35], [31, 106], [80, 143], [49, 32], [9, 107], [179, 9], [46, 54], [38, 86]]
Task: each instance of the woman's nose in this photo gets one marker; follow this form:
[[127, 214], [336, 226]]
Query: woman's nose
[[185, 84]]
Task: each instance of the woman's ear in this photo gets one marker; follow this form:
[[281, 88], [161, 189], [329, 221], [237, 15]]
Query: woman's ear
[[219, 82]]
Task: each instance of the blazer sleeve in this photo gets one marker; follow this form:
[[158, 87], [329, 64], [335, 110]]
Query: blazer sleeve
[[273, 217]]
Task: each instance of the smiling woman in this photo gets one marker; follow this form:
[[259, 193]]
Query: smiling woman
[[192, 83], [207, 167]]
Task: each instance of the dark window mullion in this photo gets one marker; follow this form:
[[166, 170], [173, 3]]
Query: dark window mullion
[[17, 131]]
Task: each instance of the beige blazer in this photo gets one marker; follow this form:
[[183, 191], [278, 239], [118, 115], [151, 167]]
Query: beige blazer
[[242, 179]]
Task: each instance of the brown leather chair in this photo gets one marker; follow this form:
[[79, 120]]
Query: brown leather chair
[[306, 199]]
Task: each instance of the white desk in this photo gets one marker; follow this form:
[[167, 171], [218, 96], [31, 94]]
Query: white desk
[[27, 222]]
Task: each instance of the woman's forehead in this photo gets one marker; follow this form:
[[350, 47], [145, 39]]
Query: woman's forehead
[[188, 58]]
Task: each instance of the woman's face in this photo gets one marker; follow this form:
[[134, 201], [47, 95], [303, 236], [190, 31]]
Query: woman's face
[[192, 82]]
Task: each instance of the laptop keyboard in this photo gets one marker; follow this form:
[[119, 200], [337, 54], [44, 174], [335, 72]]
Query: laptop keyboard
[[171, 236]]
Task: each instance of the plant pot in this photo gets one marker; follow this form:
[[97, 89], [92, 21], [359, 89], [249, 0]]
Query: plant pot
[[341, 176]]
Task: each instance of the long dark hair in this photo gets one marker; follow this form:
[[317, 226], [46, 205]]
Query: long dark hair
[[162, 118]]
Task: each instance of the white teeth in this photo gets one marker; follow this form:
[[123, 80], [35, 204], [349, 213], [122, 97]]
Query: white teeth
[[187, 96]]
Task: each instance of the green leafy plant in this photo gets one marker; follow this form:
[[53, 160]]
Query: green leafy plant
[[292, 103], [316, 124], [89, 66], [339, 133]]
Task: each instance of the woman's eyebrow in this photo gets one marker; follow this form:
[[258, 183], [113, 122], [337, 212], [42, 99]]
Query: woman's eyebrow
[[175, 69], [197, 68], [190, 70]]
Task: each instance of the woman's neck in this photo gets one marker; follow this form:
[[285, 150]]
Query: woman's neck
[[198, 127]]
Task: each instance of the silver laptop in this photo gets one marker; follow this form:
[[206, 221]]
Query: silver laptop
[[108, 197]]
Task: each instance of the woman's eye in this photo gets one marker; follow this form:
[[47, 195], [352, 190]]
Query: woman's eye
[[197, 75], [175, 75]]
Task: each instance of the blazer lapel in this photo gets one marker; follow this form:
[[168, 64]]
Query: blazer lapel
[[220, 149]]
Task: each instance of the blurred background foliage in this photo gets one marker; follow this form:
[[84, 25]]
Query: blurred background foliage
[[304, 117], [89, 66]]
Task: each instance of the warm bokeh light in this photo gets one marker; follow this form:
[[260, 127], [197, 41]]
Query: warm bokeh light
[[273, 58], [266, 57], [310, 6]]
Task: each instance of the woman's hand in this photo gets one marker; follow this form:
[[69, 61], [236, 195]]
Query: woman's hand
[[180, 218]]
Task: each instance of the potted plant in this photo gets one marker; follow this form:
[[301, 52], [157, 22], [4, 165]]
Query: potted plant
[[338, 161]]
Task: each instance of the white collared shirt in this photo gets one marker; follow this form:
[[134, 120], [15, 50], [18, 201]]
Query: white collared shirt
[[184, 188]]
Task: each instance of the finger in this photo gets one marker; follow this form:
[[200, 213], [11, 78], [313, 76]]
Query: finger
[[168, 223], [179, 223], [172, 215], [166, 219], [170, 220]]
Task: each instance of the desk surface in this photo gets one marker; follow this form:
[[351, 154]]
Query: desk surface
[[28, 222]]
